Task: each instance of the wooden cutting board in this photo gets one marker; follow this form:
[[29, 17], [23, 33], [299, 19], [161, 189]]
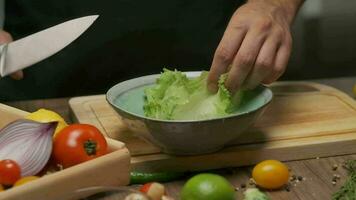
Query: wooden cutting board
[[304, 120]]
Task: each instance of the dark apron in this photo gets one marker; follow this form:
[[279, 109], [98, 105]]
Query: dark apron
[[130, 38]]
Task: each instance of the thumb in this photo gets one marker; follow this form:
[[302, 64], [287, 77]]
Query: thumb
[[5, 37]]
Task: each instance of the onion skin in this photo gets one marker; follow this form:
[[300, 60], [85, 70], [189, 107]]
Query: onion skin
[[27, 142]]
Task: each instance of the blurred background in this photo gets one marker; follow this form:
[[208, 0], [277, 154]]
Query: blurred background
[[111, 50], [324, 40]]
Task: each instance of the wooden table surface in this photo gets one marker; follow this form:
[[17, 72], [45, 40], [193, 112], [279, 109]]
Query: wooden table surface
[[317, 173]]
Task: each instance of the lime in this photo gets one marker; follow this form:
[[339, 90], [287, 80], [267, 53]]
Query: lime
[[43, 115], [207, 187]]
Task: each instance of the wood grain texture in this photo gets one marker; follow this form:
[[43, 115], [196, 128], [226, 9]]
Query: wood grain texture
[[304, 120], [317, 176], [318, 172]]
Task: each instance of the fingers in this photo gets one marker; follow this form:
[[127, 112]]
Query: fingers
[[245, 58], [225, 54], [17, 75], [5, 37], [280, 62], [261, 58], [263, 66], [257, 51]]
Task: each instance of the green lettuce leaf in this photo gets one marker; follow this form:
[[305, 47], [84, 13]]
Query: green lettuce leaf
[[255, 194], [177, 97]]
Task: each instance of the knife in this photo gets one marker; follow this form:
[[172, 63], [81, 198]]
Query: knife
[[29, 50]]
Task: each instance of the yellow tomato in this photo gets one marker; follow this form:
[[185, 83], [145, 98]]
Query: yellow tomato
[[1, 188], [25, 180], [43, 115], [270, 174]]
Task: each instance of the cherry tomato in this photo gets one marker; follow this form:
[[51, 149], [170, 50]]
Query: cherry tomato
[[78, 143], [10, 172], [270, 174]]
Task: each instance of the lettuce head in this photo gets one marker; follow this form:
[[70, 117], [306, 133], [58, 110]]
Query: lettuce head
[[177, 97]]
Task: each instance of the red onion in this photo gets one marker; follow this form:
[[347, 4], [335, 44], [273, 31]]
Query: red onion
[[27, 142]]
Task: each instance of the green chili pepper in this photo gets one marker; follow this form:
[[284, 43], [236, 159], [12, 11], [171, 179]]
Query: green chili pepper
[[143, 177]]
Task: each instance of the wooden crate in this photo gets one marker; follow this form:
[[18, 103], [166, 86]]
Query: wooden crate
[[108, 170]]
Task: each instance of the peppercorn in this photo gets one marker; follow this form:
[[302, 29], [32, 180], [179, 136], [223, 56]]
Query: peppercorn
[[300, 178], [335, 166], [293, 177]]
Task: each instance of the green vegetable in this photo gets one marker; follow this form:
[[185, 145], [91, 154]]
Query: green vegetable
[[177, 97], [255, 194], [348, 190], [141, 177]]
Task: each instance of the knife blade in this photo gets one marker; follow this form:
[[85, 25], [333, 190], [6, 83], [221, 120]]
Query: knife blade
[[29, 50]]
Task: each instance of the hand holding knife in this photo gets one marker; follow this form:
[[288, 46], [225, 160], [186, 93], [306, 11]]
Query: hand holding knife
[[22, 53], [5, 38]]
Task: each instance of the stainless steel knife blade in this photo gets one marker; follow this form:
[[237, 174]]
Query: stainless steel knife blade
[[29, 50]]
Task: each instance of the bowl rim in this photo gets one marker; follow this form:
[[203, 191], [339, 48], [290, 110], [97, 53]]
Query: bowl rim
[[189, 74]]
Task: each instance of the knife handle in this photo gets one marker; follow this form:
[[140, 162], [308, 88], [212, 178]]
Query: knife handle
[[3, 50]]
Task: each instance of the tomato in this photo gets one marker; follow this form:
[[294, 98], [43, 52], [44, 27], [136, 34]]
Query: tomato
[[10, 172], [78, 143], [270, 174], [25, 180], [2, 188]]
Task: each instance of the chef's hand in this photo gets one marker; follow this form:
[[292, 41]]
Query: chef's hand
[[5, 37], [256, 44]]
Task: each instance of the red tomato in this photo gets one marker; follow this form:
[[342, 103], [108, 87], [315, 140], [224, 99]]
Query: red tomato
[[10, 172], [78, 143]]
